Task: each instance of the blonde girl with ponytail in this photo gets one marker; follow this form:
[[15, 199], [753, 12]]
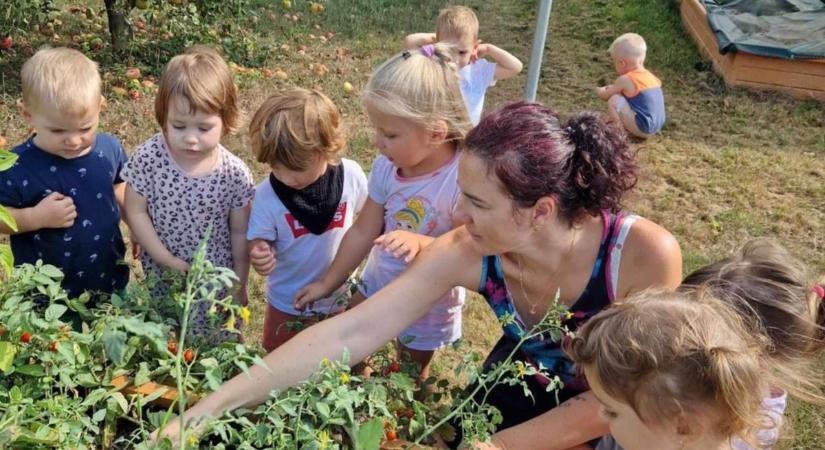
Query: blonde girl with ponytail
[[414, 103]]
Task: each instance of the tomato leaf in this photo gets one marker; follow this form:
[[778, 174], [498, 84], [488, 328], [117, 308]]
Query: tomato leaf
[[6, 259], [7, 159], [114, 342], [7, 218], [368, 435], [142, 375], [55, 311], [32, 370], [7, 353]]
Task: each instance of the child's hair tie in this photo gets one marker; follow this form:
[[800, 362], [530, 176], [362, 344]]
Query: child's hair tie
[[819, 291], [405, 54], [428, 50]]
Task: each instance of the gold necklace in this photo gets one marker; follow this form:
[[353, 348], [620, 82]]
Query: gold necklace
[[552, 277]]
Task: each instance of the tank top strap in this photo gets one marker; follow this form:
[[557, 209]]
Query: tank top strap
[[622, 223]]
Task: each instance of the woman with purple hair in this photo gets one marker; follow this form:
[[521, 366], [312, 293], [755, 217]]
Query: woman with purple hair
[[541, 212]]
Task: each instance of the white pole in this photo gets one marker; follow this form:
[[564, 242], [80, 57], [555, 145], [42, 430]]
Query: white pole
[[533, 72]]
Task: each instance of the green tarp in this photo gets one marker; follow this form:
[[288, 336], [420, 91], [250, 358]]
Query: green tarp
[[789, 29]]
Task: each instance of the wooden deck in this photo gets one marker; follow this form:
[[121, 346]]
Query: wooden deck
[[798, 77]]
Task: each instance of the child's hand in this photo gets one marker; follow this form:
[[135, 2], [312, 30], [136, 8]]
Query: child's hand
[[242, 296], [310, 294], [403, 245], [56, 211], [262, 257], [178, 265], [481, 51], [134, 243]]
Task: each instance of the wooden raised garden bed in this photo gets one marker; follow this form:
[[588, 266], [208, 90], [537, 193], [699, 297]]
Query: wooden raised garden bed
[[801, 78], [165, 400]]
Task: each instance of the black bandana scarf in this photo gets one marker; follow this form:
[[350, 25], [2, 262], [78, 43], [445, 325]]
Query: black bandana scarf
[[313, 206]]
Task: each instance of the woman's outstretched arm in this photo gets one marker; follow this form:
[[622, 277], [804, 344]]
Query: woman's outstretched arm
[[446, 263]]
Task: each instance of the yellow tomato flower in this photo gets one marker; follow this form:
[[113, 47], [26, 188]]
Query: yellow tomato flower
[[568, 315], [325, 362], [245, 314], [521, 370], [193, 440], [344, 378], [230, 324], [323, 440]]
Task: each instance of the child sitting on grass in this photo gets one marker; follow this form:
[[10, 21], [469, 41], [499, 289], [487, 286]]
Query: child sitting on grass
[[635, 99], [65, 191], [457, 27], [302, 210]]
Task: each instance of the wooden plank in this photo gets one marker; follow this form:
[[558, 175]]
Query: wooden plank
[[799, 78], [165, 400], [695, 19], [794, 92], [790, 79], [805, 66]]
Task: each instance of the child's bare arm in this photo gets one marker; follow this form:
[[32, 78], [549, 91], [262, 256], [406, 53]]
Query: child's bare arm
[[507, 65], [238, 223], [140, 224], [54, 211], [120, 195], [622, 86], [354, 247], [416, 40]]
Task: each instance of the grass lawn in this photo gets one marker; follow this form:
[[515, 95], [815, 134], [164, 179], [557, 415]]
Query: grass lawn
[[729, 166]]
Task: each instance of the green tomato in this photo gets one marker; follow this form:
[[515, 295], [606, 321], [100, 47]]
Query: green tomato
[[142, 4]]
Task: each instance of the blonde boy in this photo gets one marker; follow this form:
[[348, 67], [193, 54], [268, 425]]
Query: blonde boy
[[457, 26], [65, 190], [635, 99]]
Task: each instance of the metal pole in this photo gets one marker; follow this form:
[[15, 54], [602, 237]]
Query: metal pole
[[533, 72]]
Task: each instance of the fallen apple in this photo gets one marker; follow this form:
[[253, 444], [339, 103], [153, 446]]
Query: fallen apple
[[133, 73], [347, 87], [6, 43], [316, 8], [280, 74], [119, 91]]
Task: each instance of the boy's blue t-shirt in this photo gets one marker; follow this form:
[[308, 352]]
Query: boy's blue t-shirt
[[90, 252]]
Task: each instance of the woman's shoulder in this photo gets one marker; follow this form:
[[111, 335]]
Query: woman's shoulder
[[654, 256]]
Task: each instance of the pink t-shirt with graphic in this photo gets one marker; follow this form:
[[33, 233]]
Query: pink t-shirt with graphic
[[422, 205]]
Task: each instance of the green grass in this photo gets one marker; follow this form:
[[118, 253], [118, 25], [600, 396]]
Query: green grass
[[729, 166]]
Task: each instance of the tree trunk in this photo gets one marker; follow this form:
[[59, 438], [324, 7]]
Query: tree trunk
[[119, 30]]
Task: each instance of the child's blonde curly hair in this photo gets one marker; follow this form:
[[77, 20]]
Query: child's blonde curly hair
[[296, 127]]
